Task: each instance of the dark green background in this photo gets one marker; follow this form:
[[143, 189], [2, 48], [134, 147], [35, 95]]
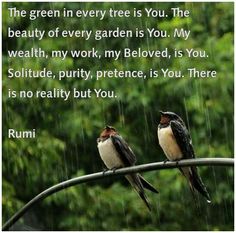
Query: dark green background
[[65, 146]]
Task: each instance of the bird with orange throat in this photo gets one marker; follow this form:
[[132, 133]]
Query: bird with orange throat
[[116, 153], [176, 143]]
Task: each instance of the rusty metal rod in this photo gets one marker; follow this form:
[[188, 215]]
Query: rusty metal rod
[[118, 172]]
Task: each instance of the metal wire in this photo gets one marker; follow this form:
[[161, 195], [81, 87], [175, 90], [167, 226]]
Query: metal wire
[[118, 172]]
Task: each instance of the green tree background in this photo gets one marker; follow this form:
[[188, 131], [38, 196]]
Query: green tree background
[[65, 146]]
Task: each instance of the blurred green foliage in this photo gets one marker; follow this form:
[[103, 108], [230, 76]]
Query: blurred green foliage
[[65, 146]]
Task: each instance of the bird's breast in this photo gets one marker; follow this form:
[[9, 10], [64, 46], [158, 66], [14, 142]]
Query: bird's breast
[[168, 143], [109, 155]]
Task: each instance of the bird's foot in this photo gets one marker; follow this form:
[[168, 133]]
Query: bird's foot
[[177, 161], [114, 169], [105, 170], [165, 161]]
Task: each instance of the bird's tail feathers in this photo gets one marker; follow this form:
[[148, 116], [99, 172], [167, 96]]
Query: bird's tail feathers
[[135, 181], [195, 182], [147, 185], [142, 195]]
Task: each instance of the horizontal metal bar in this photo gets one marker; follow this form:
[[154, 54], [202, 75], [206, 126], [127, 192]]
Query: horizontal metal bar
[[118, 172]]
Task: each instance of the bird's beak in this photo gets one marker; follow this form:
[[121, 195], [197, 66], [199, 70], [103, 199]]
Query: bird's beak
[[162, 113]]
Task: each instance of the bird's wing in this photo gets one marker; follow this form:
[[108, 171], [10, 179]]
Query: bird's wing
[[183, 139], [125, 152]]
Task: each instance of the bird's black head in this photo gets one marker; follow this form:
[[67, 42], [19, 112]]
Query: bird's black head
[[108, 127], [166, 117], [108, 131]]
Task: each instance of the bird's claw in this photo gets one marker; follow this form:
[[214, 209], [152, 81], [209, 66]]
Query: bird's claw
[[105, 170], [165, 161], [114, 169], [177, 162]]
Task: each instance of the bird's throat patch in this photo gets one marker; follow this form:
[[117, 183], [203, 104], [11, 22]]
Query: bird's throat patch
[[165, 120]]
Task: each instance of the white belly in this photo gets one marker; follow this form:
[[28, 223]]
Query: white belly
[[109, 155], [168, 144]]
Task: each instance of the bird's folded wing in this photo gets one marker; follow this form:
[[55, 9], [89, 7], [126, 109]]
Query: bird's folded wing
[[126, 154], [183, 139]]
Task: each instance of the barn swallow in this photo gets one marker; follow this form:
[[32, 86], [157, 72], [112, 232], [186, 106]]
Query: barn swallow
[[116, 153], [176, 143]]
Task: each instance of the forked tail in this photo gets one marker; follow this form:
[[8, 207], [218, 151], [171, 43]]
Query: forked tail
[[195, 181], [137, 184]]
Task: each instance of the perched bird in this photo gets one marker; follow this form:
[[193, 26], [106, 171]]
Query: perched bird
[[116, 153], [176, 143]]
